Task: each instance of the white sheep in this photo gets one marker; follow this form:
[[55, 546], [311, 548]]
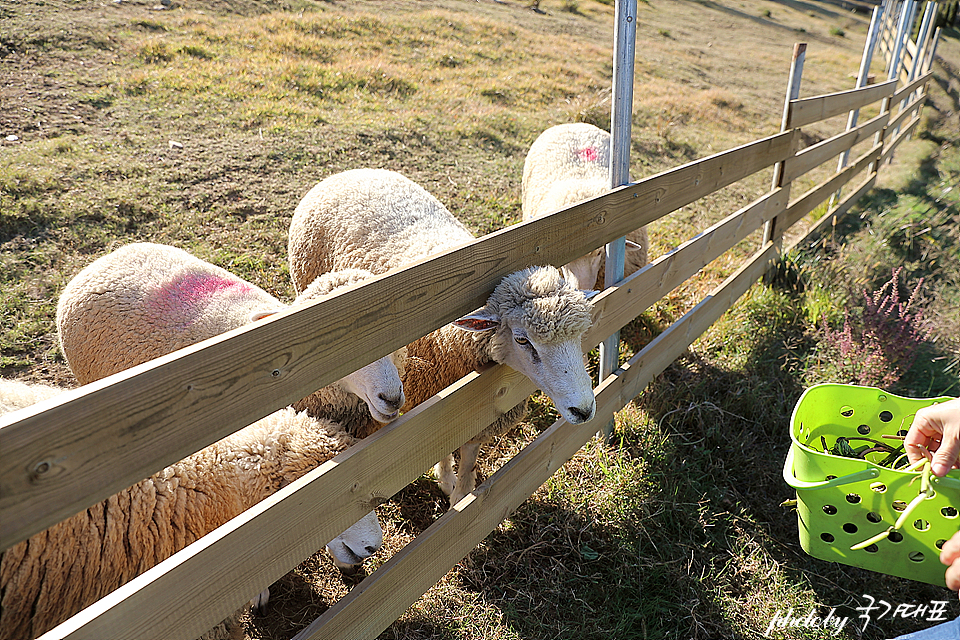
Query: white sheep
[[534, 321], [145, 300], [54, 574], [567, 164], [18, 394]]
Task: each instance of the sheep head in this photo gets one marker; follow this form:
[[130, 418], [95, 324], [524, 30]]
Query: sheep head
[[538, 320], [378, 384], [360, 541]]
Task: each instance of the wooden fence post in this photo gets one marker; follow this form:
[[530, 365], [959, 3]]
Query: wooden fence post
[[625, 34], [770, 231]]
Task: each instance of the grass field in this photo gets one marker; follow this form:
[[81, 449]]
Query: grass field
[[202, 124]]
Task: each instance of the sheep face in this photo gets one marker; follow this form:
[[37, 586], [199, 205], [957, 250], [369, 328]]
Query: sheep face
[[357, 543], [378, 384], [538, 321]]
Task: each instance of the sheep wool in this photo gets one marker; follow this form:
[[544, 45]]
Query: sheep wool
[[567, 164], [54, 574], [338, 222], [18, 394], [145, 300], [379, 220]]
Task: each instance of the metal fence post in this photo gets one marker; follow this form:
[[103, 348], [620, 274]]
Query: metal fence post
[[863, 76], [929, 14], [903, 33], [893, 68], [625, 35]]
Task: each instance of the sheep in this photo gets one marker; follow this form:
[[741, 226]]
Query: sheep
[[54, 574], [534, 321], [570, 163], [19, 394], [145, 300]]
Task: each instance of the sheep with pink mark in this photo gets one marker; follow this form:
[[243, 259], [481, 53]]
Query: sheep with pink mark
[[55, 573], [145, 300], [567, 164]]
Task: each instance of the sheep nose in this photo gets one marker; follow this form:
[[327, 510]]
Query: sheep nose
[[580, 414], [371, 549], [393, 403]]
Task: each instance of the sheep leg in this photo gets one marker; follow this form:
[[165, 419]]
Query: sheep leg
[[443, 470], [259, 603], [466, 472]]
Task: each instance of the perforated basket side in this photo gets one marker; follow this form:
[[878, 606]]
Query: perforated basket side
[[845, 501]]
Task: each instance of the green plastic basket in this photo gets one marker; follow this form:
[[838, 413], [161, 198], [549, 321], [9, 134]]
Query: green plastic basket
[[845, 501]]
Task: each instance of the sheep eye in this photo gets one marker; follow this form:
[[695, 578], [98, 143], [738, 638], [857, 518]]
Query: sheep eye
[[521, 340]]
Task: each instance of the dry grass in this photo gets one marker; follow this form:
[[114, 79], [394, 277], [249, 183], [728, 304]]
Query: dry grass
[[675, 532]]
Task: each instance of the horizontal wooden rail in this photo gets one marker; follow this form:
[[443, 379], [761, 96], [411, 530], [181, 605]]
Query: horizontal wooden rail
[[809, 110], [910, 88], [818, 194], [157, 413], [618, 305], [906, 112], [830, 219], [903, 135], [395, 456], [816, 155], [380, 599], [176, 599]]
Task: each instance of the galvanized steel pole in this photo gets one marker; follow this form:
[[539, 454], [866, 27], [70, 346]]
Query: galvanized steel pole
[[621, 117], [903, 33], [863, 76]]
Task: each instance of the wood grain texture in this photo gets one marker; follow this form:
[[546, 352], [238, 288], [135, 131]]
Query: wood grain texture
[[809, 110], [615, 306], [213, 577], [905, 113], [913, 86], [370, 607], [132, 424], [815, 155]]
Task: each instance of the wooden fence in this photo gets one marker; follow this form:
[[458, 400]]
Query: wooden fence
[[65, 454]]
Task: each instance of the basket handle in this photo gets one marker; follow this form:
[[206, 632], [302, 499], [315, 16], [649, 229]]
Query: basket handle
[[793, 481]]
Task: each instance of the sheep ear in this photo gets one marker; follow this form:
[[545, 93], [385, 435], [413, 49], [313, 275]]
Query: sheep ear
[[479, 320], [588, 293], [633, 246], [260, 315]]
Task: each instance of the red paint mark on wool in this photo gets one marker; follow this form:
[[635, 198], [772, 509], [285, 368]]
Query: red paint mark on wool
[[197, 287], [588, 154]]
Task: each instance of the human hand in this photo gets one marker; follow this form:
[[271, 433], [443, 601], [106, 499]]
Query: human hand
[[950, 556], [936, 430]]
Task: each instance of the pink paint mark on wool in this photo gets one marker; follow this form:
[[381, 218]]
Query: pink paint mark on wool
[[198, 287], [588, 154]]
